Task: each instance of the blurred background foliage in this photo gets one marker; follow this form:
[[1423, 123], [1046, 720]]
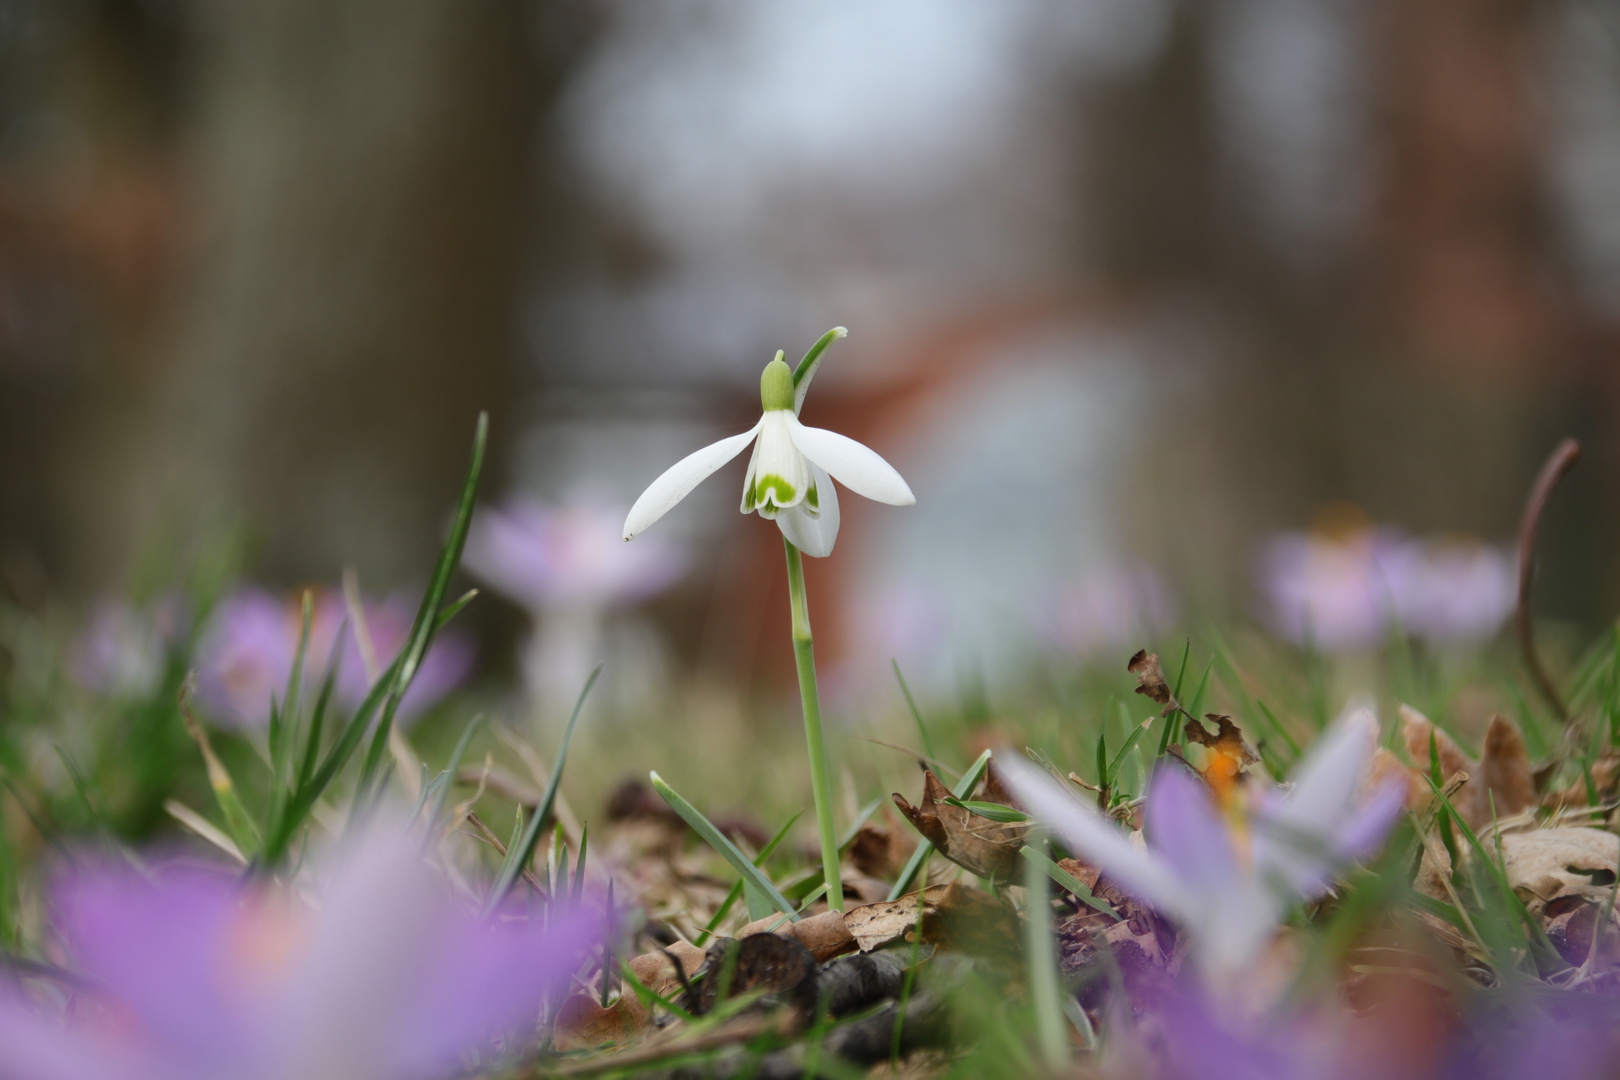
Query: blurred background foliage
[[1132, 286]]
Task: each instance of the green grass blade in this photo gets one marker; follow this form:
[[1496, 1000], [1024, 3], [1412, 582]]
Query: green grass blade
[[445, 779], [737, 890], [422, 630], [1068, 881], [717, 840], [916, 713], [517, 857]]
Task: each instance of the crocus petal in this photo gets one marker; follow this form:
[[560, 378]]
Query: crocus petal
[[680, 478], [857, 467], [1085, 831], [37, 1046], [1182, 822], [1232, 913], [153, 943], [814, 536], [1326, 780], [1360, 836]]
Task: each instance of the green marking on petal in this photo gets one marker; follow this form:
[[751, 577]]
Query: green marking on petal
[[776, 385], [773, 489], [812, 499]]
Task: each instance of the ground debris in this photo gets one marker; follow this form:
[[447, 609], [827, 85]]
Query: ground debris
[[984, 847]]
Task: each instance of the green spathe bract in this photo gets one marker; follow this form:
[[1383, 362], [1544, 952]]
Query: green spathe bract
[[776, 385]]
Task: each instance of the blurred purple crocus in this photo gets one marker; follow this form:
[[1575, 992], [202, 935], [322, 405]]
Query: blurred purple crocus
[[1343, 591], [549, 557], [196, 976], [1106, 609], [569, 567], [1229, 877], [247, 650]]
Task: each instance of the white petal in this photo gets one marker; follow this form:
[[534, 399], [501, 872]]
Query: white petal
[[1099, 842], [857, 467], [813, 535], [680, 478], [776, 464]]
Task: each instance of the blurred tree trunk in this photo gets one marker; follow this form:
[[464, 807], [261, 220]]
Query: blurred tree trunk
[[363, 176]]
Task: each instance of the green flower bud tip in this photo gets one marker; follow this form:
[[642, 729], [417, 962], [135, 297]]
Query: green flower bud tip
[[776, 385]]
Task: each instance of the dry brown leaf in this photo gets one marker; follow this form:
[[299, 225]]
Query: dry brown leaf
[[1229, 753], [881, 852], [1384, 768], [657, 972], [1505, 768], [1565, 877], [876, 925], [1545, 864], [1503, 780], [1149, 676], [985, 847], [1605, 781], [825, 935], [583, 1024]]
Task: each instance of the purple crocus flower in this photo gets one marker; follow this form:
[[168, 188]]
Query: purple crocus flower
[[568, 556], [1229, 883], [1343, 592], [196, 976], [248, 648], [569, 567], [388, 626], [1105, 609]]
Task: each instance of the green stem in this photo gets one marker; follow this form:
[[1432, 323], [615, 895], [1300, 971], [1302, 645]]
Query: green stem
[[804, 654]]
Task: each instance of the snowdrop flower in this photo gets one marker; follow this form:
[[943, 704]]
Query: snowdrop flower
[[791, 472], [194, 975], [1229, 879]]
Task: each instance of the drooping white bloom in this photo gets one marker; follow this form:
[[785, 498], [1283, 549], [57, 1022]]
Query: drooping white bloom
[[1230, 886], [791, 471]]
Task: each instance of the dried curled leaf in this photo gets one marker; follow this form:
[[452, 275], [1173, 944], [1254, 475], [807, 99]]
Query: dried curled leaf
[[1149, 676], [1502, 781], [1229, 752], [583, 1024], [982, 846]]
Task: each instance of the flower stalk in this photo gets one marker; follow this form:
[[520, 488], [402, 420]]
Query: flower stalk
[[804, 656]]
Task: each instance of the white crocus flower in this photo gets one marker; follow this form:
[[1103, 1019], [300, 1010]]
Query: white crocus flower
[[791, 472], [1229, 879]]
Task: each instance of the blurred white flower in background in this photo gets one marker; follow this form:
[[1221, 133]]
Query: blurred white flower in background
[[1344, 589], [568, 566]]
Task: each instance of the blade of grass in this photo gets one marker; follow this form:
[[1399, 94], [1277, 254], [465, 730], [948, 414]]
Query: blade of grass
[[237, 821], [1068, 881], [916, 713], [518, 856], [717, 840], [737, 890], [422, 630], [441, 785]]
